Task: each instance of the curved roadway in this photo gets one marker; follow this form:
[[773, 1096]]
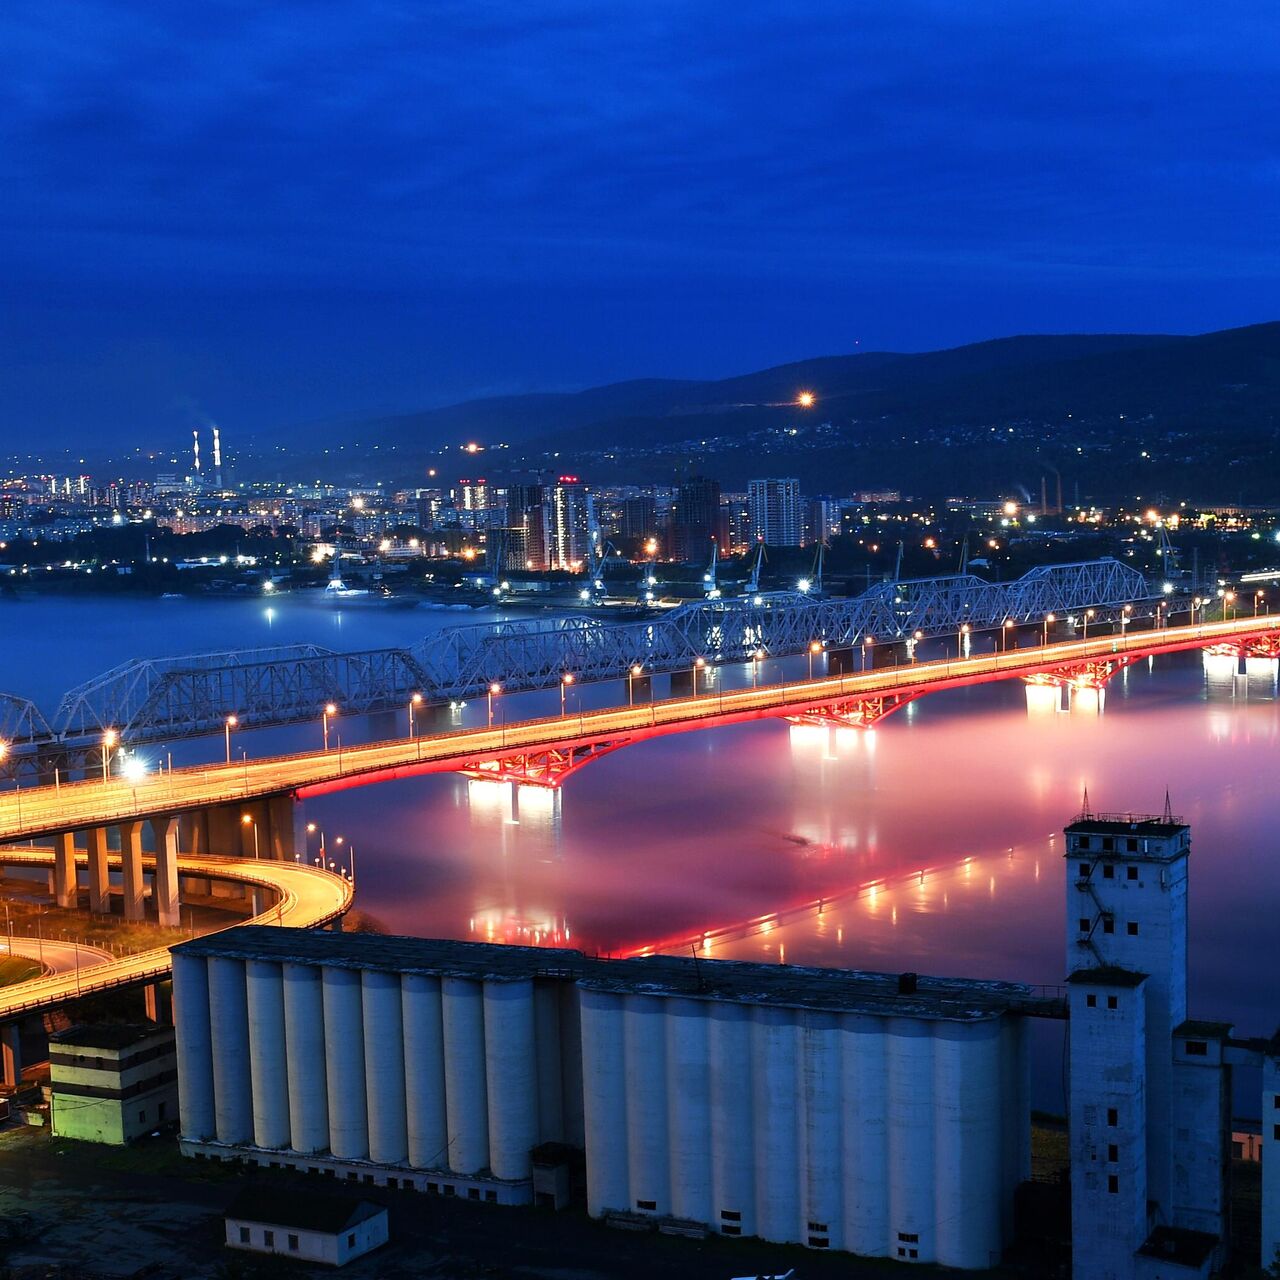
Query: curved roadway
[[307, 897]]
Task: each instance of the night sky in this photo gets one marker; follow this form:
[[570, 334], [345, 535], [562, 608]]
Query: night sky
[[274, 212]]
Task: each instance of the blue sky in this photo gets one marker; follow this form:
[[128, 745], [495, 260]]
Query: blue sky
[[270, 213]]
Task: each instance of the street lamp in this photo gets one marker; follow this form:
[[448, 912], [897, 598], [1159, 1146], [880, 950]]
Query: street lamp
[[109, 740], [494, 689], [1229, 598], [414, 701], [698, 664], [229, 724], [964, 631], [329, 710], [1088, 613], [632, 671], [1004, 635], [814, 647], [915, 643], [756, 659], [565, 681], [1257, 600], [246, 820], [867, 642], [1048, 618], [1124, 619]]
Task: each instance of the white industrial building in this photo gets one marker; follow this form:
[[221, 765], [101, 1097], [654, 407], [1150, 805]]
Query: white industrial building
[[882, 1114], [330, 1230]]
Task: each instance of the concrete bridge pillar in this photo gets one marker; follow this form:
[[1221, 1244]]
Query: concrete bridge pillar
[[165, 891], [99, 877], [222, 827], [65, 890], [135, 892], [288, 835], [194, 832], [11, 1054]]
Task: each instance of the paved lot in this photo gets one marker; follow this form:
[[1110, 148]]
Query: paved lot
[[102, 1211]]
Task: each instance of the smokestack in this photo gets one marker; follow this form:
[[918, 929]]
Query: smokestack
[[217, 458]]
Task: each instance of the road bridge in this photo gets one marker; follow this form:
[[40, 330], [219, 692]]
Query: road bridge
[[548, 749]]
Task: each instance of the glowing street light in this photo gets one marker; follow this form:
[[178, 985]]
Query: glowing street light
[[756, 659], [4, 749], [1125, 618], [1257, 600], [493, 691], [1048, 618], [814, 647], [964, 631], [246, 820], [229, 724], [1004, 635], [1088, 613], [109, 740], [915, 643], [414, 701], [698, 664], [565, 681], [867, 642], [632, 671], [329, 710]]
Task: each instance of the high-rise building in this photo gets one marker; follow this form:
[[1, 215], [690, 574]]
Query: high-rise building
[[696, 523], [776, 514], [639, 517], [566, 524]]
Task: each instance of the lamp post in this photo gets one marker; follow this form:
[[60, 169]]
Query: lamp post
[[814, 647], [632, 671], [1048, 618], [414, 702], [1124, 620], [1004, 635], [109, 740], [565, 681], [246, 819], [1088, 613], [698, 664], [915, 644], [329, 710], [867, 642], [756, 659], [960, 635], [229, 724], [1257, 600], [1228, 599], [493, 691]]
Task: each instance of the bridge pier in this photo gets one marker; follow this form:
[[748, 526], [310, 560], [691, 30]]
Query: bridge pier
[[65, 890], [164, 832], [11, 1054], [134, 886], [194, 828], [99, 877]]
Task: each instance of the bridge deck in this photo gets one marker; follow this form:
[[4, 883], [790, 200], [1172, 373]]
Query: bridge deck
[[33, 812]]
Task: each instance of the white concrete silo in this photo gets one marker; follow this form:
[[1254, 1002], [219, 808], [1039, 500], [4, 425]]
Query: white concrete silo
[[689, 1108], [384, 1066], [733, 1119], [774, 1098], [307, 1070], [864, 1106], [911, 1121], [194, 1045], [604, 1103], [344, 1054], [425, 1112], [645, 1025], [821, 1161], [229, 1027], [268, 1064], [462, 1002], [511, 1076], [967, 1142]]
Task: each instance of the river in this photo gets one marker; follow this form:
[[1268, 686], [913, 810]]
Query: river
[[932, 843]]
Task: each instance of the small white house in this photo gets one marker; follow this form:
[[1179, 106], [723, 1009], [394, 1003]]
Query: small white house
[[331, 1230]]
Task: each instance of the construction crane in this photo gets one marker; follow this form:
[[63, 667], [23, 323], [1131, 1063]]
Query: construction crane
[[812, 586], [753, 582], [709, 583]]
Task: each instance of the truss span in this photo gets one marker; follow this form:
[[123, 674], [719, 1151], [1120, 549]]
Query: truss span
[[155, 700]]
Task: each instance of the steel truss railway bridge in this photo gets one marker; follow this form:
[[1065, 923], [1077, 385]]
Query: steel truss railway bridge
[[150, 701]]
